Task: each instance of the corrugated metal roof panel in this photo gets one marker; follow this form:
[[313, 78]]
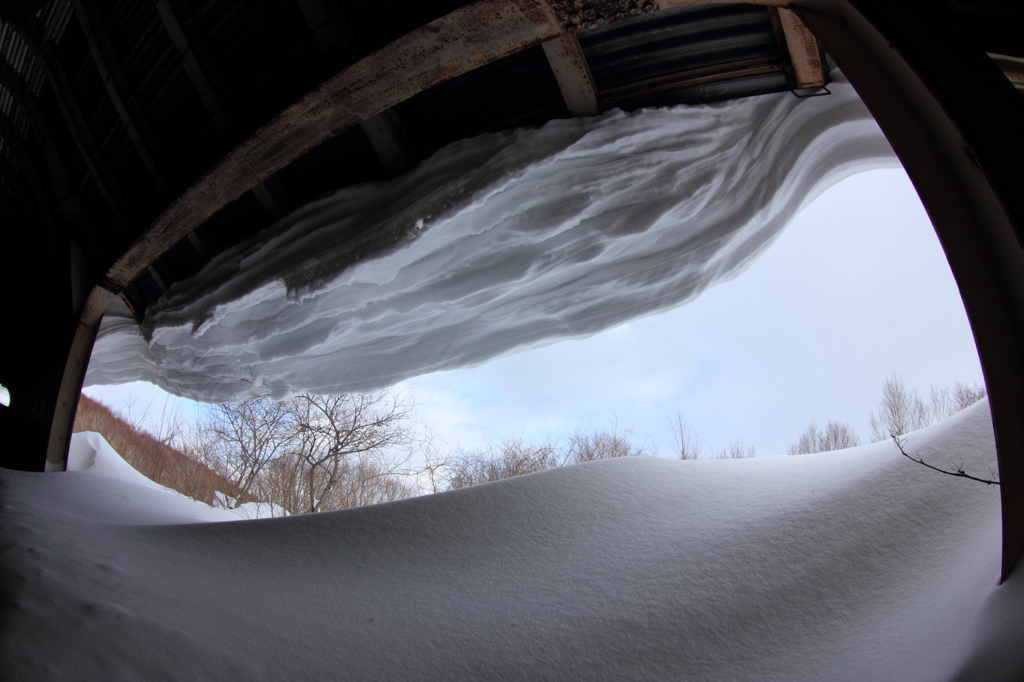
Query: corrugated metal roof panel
[[677, 40]]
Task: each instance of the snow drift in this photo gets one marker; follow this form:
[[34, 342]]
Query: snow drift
[[495, 244], [856, 565]]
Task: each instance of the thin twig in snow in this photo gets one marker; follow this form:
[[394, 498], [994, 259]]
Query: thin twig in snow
[[959, 472]]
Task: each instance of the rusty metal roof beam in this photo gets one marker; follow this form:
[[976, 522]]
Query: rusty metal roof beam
[[682, 79], [132, 117]]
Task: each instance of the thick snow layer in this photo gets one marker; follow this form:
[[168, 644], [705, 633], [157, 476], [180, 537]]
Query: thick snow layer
[[856, 565], [91, 454], [493, 245]]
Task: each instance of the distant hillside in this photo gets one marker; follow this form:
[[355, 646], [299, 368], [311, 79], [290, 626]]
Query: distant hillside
[[157, 461]]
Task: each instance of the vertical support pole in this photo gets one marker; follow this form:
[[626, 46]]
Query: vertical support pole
[[389, 141], [954, 122], [74, 377]]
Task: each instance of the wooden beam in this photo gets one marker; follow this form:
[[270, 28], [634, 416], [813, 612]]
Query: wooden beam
[[389, 141], [273, 197], [467, 38], [116, 83], [199, 65], [804, 53], [954, 122], [74, 376], [199, 246], [84, 140], [1012, 68], [28, 168], [156, 277], [60, 183], [329, 36], [569, 65]]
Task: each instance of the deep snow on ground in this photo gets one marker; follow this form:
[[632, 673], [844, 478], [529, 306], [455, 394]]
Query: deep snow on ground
[[856, 565], [495, 244], [89, 452]]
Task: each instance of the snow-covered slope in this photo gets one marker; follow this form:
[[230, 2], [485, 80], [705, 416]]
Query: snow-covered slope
[[493, 245], [857, 565]]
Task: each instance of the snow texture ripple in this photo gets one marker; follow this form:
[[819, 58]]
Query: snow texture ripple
[[493, 245], [841, 567]]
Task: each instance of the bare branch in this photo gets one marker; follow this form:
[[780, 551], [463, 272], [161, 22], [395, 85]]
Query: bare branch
[[958, 471]]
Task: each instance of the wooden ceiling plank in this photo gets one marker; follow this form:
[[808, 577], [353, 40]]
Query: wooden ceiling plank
[[569, 65], [116, 83], [804, 53], [200, 66]]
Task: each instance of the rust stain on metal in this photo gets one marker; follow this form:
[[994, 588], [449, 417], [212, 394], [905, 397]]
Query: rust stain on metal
[[579, 15]]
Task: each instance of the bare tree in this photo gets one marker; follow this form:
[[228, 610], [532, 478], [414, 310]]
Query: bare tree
[[946, 402], [964, 396], [513, 457], [900, 411], [348, 437], [736, 451], [246, 437], [688, 445], [836, 436], [587, 446]]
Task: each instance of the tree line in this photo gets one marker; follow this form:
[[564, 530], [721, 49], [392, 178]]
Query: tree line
[[900, 411], [315, 453]]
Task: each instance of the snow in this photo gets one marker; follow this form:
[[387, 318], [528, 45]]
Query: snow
[[248, 510], [493, 245], [90, 454], [855, 565]]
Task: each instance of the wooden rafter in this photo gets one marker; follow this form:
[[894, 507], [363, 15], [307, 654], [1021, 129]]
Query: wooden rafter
[[84, 140], [483, 32], [128, 110], [60, 183], [199, 65]]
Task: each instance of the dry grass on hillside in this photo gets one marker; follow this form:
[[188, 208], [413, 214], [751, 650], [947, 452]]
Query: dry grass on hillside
[[154, 459]]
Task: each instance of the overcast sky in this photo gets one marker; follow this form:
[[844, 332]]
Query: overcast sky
[[855, 287]]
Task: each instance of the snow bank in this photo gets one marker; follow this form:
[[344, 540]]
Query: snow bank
[[493, 245], [857, 565], [90, 454]]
